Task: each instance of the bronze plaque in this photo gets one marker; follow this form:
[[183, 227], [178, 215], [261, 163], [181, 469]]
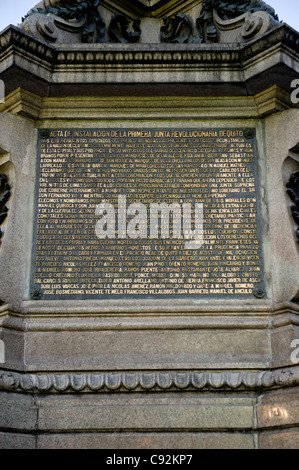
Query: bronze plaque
[[147, 213]]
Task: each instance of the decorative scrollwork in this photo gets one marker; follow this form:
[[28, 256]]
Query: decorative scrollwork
[[5, 194], [119, 29], [177, 29], [47, 29], [293, 192], [94, 29], [84, 17], [228, 10], [205, 27]]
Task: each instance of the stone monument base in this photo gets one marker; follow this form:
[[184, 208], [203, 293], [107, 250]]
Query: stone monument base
[[223, 419], [87, 360]]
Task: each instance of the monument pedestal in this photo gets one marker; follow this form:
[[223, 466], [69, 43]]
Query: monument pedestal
[[102, 348]]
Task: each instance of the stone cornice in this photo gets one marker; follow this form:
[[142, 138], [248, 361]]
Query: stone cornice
[[37, 317], [33, 64], [144, 53], [158, 381], [29, 105]]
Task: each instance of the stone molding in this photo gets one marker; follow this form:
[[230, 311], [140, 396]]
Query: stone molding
[[31, 106], [23, 103], [148, 53], [149, 69], [149, 381], [142, 53], [45, 316], [272, 100]]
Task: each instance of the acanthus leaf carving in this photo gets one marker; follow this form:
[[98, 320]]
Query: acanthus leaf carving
[[82, 17], [119, 29], [228, 10], [246, 18], [179, 28], [94, 29]]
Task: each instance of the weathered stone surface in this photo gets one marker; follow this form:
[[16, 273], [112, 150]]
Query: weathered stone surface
[[17, 441], [278, 409], [288, 439], [18, 412], [145, 350], [17, 140], [175, 440], [286, 125], [161, 413]]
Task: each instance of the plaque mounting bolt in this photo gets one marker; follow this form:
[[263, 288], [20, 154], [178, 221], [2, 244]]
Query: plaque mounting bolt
[[37, 293], [259, 292], [249, 133], [44, 133]]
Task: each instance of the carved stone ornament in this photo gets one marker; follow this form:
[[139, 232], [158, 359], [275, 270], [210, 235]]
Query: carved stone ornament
[[5, 193], [81, 18], [71, 21], [293, 192], [119, 29], [177, 29], [110, 382], [247, 18]]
